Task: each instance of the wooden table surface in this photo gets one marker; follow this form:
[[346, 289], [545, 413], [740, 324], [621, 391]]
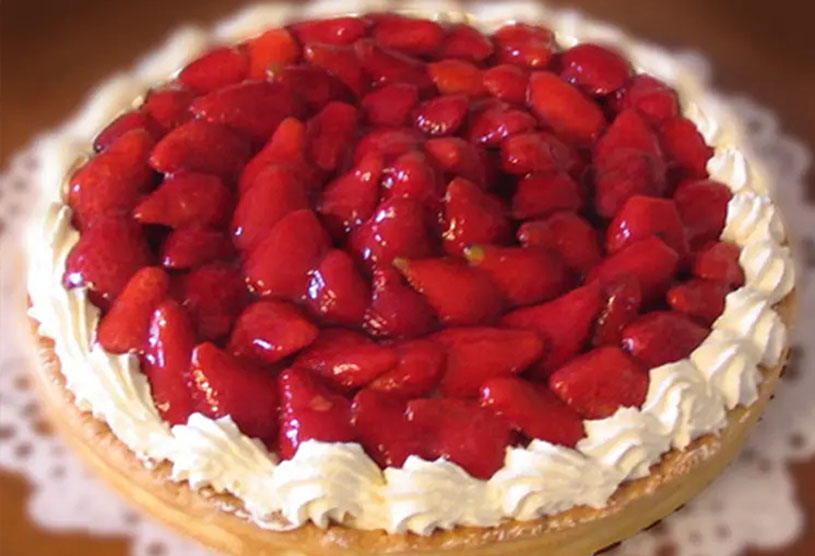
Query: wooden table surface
[[53, 52]]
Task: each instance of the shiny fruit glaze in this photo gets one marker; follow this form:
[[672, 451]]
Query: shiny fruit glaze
[[409, 235]]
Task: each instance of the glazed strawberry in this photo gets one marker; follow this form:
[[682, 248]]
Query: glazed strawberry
[[169, 106], [472, 216], [702, 205], [275, 192], [595, 69], [628, 131], [398, 228], [461, 432], [314, 85], [564, 108], [418, 370], [254, 108], [649, 96], [389, 142], [396, 310], [166, 362], [458, 157], [329, 134], [113, 179], [662, 337], [525, 275], [219, 68], [280, 262], [340, 61], [186, 199], [124, 327], [465, 42], [199, 146], [642, 217], [347, 360], [225, 385], [650, 261], [287, 146], [599, 382], [537, 152], [542, 193], [626, 173], [110, 250], [685, 147], [524, 45], [494, 124], [564, 324], [406, 34], [390, 105], [337, 292], [350, 199], [273, 49], [700, 299], [507, 82], [269, 331], [478, 354], [385, 65], [195, 245], [122, 125], [623, 299], [568, 235], [382, 427], [339, 30], [442, 115], [310, 410], [532, 409], [719, 261], [412, 176], [456, 77], [214, 294], [459, 294]]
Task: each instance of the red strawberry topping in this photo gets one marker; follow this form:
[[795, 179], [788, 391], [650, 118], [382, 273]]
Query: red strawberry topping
[[595, 69], [662, 337], [269, 331], [186, 199], [719, 261]]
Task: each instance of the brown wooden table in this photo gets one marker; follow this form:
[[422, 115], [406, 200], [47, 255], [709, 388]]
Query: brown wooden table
[[53, 51]]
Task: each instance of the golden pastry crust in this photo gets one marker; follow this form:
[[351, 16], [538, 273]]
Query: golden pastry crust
[[216, 519]]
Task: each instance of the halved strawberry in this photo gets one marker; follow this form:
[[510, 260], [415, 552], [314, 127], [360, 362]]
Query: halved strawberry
[[269, 331], [478, 354], [329, 134], [459, 294], [537, 151], [623, 174], [122, 125], [525, 275], [340, 61], [338, 30], [623, 299], [390, 105], [700, 299], [390, 142], [214, 294], [628, 131], [543, 193], [458, 157], [310, 410], [113, 179], [287, 146], [396, 311], [280, 262], [169, 105], [599, 382], [649, 96], [567, 234], [407, 34], [225, 385], [564, 108], [166, 362], [350, 199], [124, 327], [564, 324], [186, 199], [382, 427], [524, 45], [347, 360], [719, 261], [685, 147], [507, 82], [218, 68], [463, 41], [662, 337], [273, 49], [456, 77], [595, 69], [494, 124], [314, 85], [642, 217], [419, 368], [385, 65], [412, 176], [472, 216], [442, 115], [199, 146], [702, 205], [532, 409], [337, 292], [195, 245]]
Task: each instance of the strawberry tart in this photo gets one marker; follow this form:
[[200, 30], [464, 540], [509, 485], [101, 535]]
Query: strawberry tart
[[442, 281]]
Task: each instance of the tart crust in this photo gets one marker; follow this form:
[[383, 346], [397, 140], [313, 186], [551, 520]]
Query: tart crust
[[216, 520]]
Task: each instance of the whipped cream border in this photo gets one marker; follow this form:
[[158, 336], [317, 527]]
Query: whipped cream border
[[338, 482]]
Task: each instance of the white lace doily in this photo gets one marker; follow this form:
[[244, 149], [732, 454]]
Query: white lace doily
[[721, 522]]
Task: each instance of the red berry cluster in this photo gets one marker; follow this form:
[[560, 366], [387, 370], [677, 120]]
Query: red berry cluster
[[409, 235]]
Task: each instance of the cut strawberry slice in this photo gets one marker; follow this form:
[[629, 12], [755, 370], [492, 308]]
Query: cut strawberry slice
[[478, 354], [382, 427], [396, 310], [389, 142], [532, 409], [409, 35], [568, 235], [625, 173], [507, 82], [186, 199], [642, 217], [719, 261], [623, 299], [351, 199], [314, 85], [199, 146], [169, 105], [524, 45], [442, 115], [337, 292], [418, 370], [564, 324], [662, 337], [412, 176], [461, 432], [269, 331], [700, 299], [597, 70], [599, 382], [390, 105], [339, 30], [340, 61], [702, 205], [537, 152], [287, 147], [219, 68], [281, 261], [195, 245], [329, 134], [541, 193], [649, 96], [628, 131], [385, 65], [465, 42], [124, 327], [225, 385], [525, 275], [348, 360], [685, 147], [214, 294], [472, 216], [457, 77], [123, 124], [494, 124], [564, 108], [458, 157], [459, 294], [273, 49]]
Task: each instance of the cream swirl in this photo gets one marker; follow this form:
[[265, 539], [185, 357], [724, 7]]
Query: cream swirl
[[729, 166], [749, 315], [730, 365], [768, 268], [751, 218]]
